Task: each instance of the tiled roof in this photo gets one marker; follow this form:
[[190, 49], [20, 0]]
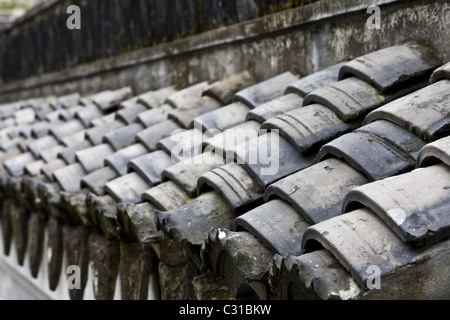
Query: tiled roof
[[336, 173]]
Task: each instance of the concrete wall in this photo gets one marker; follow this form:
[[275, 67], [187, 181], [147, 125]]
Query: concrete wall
[[301, 40], [41, 42]]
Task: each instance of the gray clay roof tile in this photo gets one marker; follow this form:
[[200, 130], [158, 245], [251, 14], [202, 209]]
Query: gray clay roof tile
[[321, 78], [118, 161], [309, 126], [389, 67], [379, 150], [423, 112], [96, 180], [93, 158], [266, 90], [121, 164], [278, 225], [127, 188], [318, 192], [150, 166], [151, 135], [437, 151], [416, 212], [272, 108]]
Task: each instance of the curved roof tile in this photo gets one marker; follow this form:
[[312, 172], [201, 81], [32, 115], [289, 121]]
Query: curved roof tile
[[275, 223], [388, 68], [266, 90], [309, 126], [234, 183], [423, 112], [415, 204], [437, 151], [318, 192], [379, 149]]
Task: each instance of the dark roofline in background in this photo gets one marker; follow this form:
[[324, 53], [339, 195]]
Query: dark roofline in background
[[239, 41], [30, 14]]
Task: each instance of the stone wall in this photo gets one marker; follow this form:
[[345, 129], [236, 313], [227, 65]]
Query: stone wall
[[301, 40], [40, 42]]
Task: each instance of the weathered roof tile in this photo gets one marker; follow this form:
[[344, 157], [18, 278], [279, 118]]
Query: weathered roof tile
[[127, 188], [34, 168], [93, 158], [224, 90], [187, 96], [154, 116], [311, 276], [66, 101], [185, 115], [241, 259], [309, 127], [441, 73], [379, 150], [51, 153], [437, 151], [75, 138], [10, 144], [275, 223], [110, 99], [234, 183], [349, 98], [166, 196], [69, 177], [68, 154], [222, 118], [424, 112], [225, 142], [154, 99], [87, 114], [275, 107], [95, 135], [265, 90], [188, 224], [139, 222], [316, 80], [151, 135], [270, 157], [182, 144], [122, 137], [130, 114], [186, 173], [96, 180], [37, 146], [415, 205], [318, 192], [392, 66], [50, 167], [150, 166], [16, 166], [118, 161], [359, 240]]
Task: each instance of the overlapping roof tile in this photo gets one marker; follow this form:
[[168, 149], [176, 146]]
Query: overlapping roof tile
[[321, 186]]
